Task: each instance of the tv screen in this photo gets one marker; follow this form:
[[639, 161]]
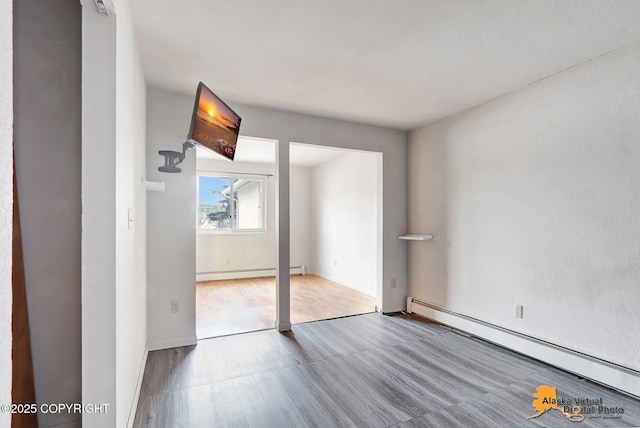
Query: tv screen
[[214, 125]]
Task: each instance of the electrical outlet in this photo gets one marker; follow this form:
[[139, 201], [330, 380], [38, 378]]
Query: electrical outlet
[[175, 306], [517, 310], [393, 283]]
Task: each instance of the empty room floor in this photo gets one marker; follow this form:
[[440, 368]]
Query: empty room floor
[[241, 305], [362, 371]]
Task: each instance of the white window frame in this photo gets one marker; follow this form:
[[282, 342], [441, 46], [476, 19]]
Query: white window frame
[[231, 230]]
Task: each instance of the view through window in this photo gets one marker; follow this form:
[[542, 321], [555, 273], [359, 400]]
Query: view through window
[[227, 203]]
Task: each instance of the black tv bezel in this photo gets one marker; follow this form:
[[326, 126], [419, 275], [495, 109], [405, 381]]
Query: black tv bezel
[[194, 116]]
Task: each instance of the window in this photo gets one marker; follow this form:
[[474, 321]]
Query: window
[[228, 203]]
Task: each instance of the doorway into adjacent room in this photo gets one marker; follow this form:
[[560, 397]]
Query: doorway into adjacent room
[[335, 227]]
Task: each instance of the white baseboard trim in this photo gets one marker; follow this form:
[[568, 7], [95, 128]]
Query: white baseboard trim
[[605, 372], [173, 343], [246, 273], [392, 310], [340, 282], [136, 396]]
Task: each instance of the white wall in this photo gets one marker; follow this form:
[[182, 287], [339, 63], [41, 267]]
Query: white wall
[[344, 216], [171, 225], [98, 214], [131, 274], [113, 255], [533, 199], [301, 128], [250, 209], [47, 108], [300, 215], [223, 252], [227, 252], [6, 200]]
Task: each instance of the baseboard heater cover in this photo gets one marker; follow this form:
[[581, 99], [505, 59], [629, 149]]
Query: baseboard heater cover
[[610, 374], [246, 273]]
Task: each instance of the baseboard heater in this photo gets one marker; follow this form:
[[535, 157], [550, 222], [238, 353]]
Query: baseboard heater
[[610, 374], [246, 273]]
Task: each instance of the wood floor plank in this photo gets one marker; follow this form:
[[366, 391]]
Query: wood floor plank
[[378, 334], [234, 356], [479, 372], [442, 376], [397, 391], [216, 405], [403, 325], [502, 362], [357, 398], [165, 410], [265, 402], [242, 305], [317, 408], [413, 383], [165, 371], [308, 344], [364, 371]]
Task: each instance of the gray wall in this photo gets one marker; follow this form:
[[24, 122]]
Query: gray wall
[[47, 108], [534, 198]]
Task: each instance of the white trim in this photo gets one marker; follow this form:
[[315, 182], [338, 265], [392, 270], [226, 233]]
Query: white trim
[[380, 232], [136, 396], [173, 343], [610, 374], [339, 282], [249, 273], [230, 230], [395, 310]]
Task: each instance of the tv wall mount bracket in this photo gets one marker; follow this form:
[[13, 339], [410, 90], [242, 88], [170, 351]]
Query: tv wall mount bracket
[[171, 158]]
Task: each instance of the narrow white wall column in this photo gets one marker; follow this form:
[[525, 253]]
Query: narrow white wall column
[[283, 315], [98, 215]]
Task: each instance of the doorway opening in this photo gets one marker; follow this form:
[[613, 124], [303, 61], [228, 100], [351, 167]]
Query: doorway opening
[[335, 228]]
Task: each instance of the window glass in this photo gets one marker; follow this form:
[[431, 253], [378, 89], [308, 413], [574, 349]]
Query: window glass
[[228, 203]]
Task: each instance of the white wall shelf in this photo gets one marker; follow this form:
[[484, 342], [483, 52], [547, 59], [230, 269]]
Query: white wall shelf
[[416, 237], [153, 186]]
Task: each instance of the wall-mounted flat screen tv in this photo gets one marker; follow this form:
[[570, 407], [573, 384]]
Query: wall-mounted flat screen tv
[[214, 125]]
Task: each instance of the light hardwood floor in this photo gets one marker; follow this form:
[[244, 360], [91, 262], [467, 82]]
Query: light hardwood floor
[[361, 371], [241, 305]]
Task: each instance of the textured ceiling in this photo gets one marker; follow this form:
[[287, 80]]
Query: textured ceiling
[[399, 63]]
